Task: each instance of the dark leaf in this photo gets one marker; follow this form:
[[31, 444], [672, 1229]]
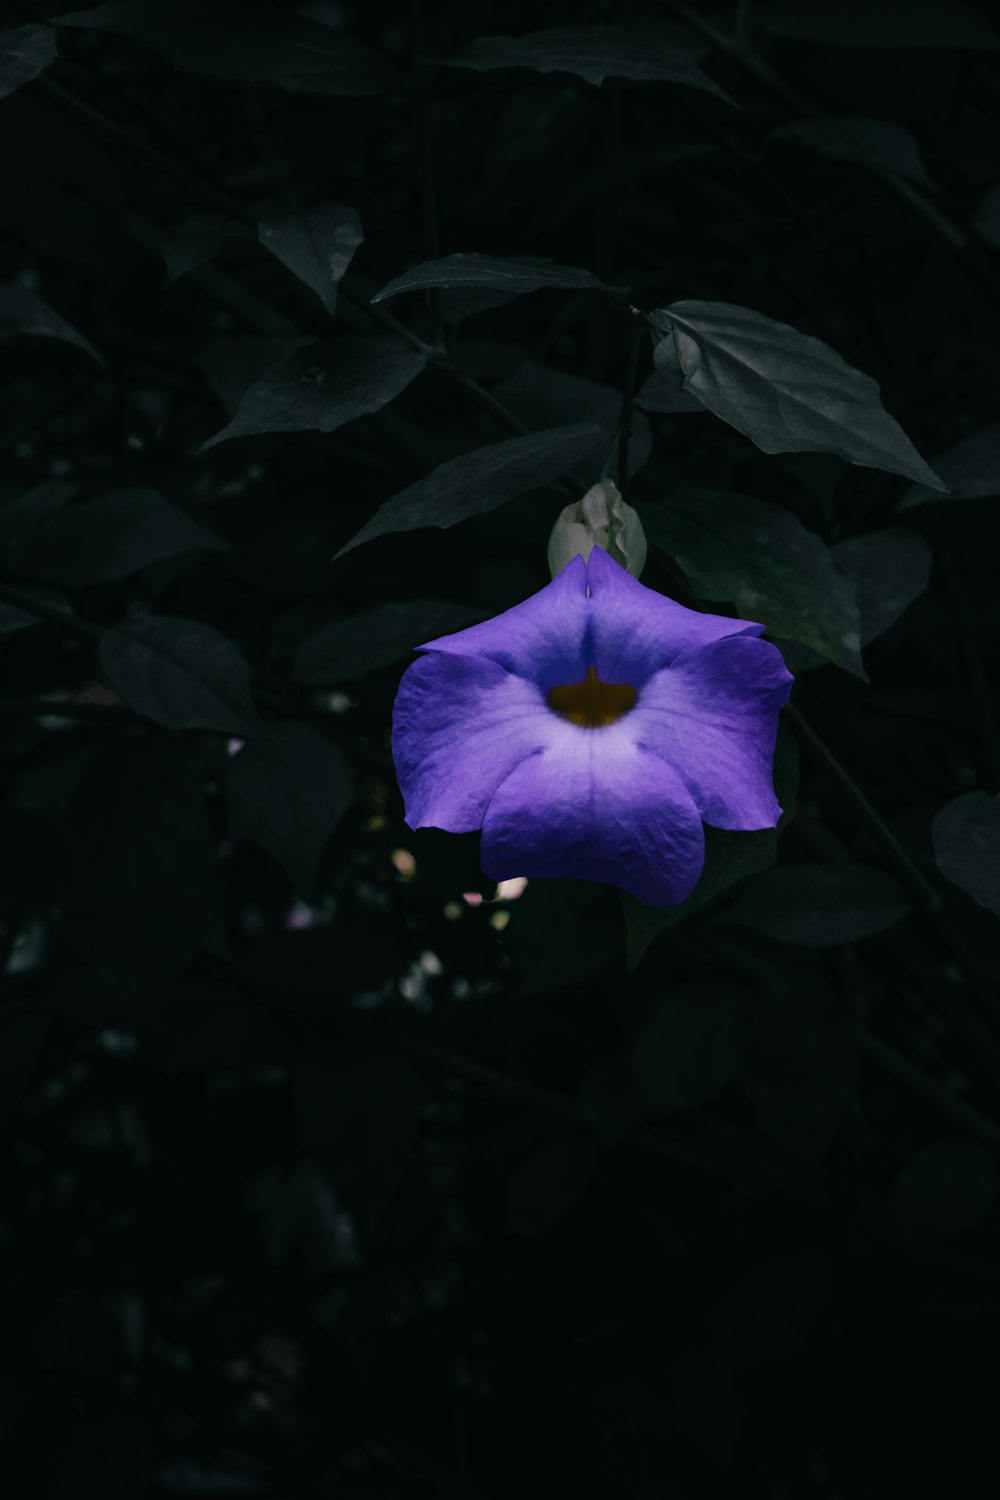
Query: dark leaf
[[798, 1064], [544, 397], [970, 470], [663, 391], [880, 145], [252, 42], [22, 313], [22, 1038], [892, 23], [287, 791], [820, 906], [108, 538], [501, 274], [320, 387], [889, 570], [549, 1184], [763, 560], [688, 1045], [138, 872], [351, 648], [986, 219], [316, 246], [784, 390], [17, 617], [612, 1097], [593, 53], [967, 846], [34, 505], [24, 54], [192, 243], [180, 673], [945, 1188], [482, 480]]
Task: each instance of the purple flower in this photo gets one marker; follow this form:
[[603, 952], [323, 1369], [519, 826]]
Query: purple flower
[[590, 731]]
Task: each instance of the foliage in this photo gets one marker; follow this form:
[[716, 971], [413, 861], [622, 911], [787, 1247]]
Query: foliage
[[331, 1169]]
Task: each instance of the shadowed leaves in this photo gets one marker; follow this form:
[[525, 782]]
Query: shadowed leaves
[[181, 674]]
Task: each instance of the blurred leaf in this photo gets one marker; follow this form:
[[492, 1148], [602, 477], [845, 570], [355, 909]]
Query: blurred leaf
[[593, 53], [482, 480], [287, 791], [500, 273], [729, 858], [970, 470], [561, 933], [784, 390], [986, 219], [22, 313], [880, 145], [763, 560], [545, 397], [891, 23], [14, 617], [181, 674], [320, 387], [25, 52], [945, 1188], [191, 243], [316, 246], [773, 1307], [32, 506], [966, 835], [22, 1038], [549, 1184], [820, 906], [889, 569], [351, 648], [612, 1098], [138, 865], [249, 41], [798, 1065], [688, 1045], [108, 538]]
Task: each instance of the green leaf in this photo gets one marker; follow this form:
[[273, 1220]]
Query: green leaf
[[889, 569], [688, 1045], [25, 52], [798, 1064], [879, 145], [482, 480], [763, 560], [966, 835], [986, 219], [181, 674], [970, 469], [592, 53], [784, 390], [33, 506], [820, 906], [14, 617], [891, 23], [252, 42], [316, 246], [22, 313], [322, 387], [287, 791], [549, 1184], [348, 649], [545, 397], [730, 858], [946, 1187], [191, 243], [138, 869], [502, 274], [108, 538]]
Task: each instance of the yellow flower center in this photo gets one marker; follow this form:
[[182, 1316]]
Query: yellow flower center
[[592, 703]]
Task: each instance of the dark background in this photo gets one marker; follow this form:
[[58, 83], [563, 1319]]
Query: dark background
[[325, 1172]]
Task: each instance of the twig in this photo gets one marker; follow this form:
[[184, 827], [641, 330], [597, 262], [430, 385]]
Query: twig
[[625, 419]]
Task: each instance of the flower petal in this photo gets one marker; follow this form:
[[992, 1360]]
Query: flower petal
[[543, 640], [597, 807], [636, 631], [460, 725], [713, 716]]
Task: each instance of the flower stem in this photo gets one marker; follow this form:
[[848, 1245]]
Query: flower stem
[[625, 420]]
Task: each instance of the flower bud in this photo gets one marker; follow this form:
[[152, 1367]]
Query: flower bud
[[600, 519]]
